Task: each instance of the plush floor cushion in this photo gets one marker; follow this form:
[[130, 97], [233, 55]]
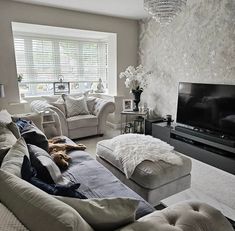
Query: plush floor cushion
[[184, 216], [104, 214], [5, 117], [14, 129], [7, 139], [36, 209], [13, 160]]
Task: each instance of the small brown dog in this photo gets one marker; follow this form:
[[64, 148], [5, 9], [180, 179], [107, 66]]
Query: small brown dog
[[58, 151]]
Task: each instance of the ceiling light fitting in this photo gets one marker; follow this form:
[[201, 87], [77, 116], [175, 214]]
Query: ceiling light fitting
[[164, 11]]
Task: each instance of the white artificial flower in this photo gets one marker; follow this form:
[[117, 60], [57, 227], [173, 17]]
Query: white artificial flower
[[136, 78]]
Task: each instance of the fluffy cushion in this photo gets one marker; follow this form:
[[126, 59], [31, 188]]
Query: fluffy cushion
[[29, 174], [33, 116], [7, 139], [75, 106], [42, 171], [104, 214], [13, 160], [36, 209], [32, 134]]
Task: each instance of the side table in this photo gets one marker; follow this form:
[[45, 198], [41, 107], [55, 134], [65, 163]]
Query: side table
[[133, 126], [51, 124]]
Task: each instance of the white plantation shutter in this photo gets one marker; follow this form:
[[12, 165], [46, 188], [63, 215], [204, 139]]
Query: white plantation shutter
[[42, 60]]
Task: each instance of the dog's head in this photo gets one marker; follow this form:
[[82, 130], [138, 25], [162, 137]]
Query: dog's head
[[61, 159]]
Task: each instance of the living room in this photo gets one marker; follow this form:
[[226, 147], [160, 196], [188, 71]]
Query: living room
[[197, 46]]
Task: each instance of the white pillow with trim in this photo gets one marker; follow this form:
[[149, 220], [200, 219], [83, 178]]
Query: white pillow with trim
[[104, 214], [36, 209], [13, 160]]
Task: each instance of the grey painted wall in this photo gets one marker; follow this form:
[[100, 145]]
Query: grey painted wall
[[127, 39], [198, 46]]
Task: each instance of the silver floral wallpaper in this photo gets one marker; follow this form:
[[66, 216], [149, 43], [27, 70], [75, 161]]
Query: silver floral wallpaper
[[198, 46]]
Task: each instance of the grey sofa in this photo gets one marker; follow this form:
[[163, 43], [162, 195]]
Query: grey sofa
[[80, 125], [24, 207]]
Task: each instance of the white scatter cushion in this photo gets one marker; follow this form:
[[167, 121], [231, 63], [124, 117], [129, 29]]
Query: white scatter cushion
[[5, 117], [7, 139], [36, 209], [52, 168], [14, 129], [90, 104], [104, 214], [75, 106], [13, 160]]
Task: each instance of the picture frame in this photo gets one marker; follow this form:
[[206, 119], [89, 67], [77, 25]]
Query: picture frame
[[61, 88], [127, 105]]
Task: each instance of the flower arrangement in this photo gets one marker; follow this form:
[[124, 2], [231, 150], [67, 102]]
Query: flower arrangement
[[136, 78]]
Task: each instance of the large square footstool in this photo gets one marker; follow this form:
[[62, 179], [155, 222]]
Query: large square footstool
[[153, 181]]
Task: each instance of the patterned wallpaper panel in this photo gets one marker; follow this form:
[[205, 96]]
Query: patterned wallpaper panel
[[198, 46]]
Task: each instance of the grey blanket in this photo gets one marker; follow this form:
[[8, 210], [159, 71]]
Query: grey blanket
[[97, 182]]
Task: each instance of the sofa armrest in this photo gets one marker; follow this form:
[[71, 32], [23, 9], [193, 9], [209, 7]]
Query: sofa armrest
[[102, 109], [40, 105], [185, 216]]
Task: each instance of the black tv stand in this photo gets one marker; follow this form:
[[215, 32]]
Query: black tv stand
[[222, 139], [188, 142]]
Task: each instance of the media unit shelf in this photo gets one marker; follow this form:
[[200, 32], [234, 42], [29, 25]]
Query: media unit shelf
[[207, 151]]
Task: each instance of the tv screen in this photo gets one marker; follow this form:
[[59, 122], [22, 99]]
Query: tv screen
[[210, 107]]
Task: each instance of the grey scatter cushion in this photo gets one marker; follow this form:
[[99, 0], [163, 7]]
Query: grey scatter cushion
[[52, 168], [90, 104], [104, 214], [37, 210], [13, 160], [14, 129], [75, 106], [60, 104], [7, 140]]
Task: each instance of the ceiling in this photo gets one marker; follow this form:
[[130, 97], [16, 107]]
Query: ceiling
[[132, 9]]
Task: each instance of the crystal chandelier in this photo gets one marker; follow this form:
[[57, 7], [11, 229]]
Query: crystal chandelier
[[164, 11]]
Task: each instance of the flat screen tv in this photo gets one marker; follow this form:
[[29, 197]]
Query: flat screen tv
[[207, 107]]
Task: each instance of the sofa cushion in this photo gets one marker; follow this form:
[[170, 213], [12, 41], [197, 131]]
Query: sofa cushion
[[75, 106], [32, 134], [148, 174], [90, 104], [14, 129], [104, 214], [29, 174], [82, 121], [36, 209], [36, 118], [7, 139], [13, 160], [42, 171], [5, 117]]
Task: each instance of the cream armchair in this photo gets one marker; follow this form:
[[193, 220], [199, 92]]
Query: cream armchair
[[80, 125]]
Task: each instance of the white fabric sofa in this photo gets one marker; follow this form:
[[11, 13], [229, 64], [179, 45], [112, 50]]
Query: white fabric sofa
[[80, 125]]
